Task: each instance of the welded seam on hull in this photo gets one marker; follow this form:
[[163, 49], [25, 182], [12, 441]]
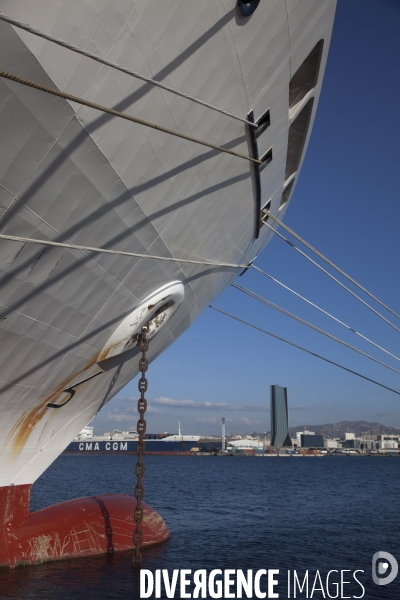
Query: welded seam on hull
[[102, 67], [38, 321], [74, 115], [310, 26], [30, 178], [288, 31], [248, 105], [12, 195], [240, 64], [16, 29], [188, 155], [29, 387], [67, 239]]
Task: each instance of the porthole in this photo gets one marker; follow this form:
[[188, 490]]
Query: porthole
[[247, 7], [264, 216]]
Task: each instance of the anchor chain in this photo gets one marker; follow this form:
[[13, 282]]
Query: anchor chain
[[140, 447]]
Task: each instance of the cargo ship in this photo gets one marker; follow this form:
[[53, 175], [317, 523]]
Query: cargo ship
[[124, 442], [109, 224]]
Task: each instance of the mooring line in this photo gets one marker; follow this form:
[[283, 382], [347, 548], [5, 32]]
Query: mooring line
[[16, 238], [277, 337], [116, 113], [108, 63]]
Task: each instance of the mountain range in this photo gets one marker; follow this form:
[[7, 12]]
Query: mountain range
[[337, 430]]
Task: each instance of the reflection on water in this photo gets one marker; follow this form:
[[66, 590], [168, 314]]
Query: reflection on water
[[238, 513]]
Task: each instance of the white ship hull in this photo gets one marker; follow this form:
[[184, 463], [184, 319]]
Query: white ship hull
[[71, 174]]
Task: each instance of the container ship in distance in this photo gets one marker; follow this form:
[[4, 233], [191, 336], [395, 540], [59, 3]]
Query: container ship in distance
[[124, 442], [70, 318]]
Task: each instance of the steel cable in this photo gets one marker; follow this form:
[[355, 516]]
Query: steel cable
[[116, 113], [15, 238], [326, 313], [304, 349], [289, 314], [329, 262], [108, 63], [332, 277]]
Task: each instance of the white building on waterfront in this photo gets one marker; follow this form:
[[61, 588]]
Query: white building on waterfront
[[244, 443], [332, 443], [389, 442]]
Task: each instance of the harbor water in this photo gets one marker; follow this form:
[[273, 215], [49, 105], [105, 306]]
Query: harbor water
[[303, 513]]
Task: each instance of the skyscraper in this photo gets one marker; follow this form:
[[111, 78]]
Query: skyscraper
[[279, 417]]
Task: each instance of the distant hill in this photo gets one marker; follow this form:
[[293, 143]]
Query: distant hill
[[337, 430]]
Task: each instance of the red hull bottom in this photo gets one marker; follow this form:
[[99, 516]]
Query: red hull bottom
[[82, 527]]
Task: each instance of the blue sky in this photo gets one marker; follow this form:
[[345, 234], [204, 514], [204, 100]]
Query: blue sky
[[346, 204]]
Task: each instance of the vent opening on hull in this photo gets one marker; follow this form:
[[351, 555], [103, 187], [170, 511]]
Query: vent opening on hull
[[264, 216], [263, 123], [306, 77], [286, 194], [297, 137], [265, 159]]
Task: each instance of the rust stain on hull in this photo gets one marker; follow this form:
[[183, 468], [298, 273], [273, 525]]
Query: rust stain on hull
[[22, 429], [104, 353]]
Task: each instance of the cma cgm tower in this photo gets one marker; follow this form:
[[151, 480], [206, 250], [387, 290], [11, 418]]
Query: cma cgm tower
[[279, 417]]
